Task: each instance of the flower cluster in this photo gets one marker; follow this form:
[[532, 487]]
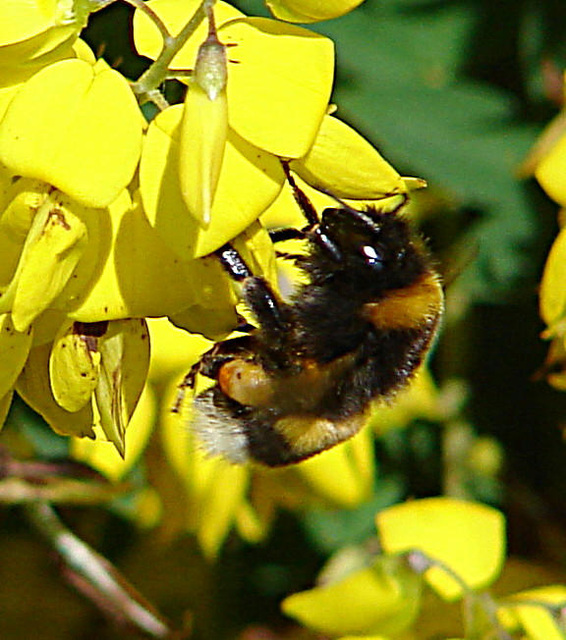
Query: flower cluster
[[456, 548], [107, 220]]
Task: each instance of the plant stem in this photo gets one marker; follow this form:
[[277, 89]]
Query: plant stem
[[95, 576], [159, 70]]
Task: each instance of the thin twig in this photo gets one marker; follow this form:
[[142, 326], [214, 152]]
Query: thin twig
[[154, 76], [95, 576]]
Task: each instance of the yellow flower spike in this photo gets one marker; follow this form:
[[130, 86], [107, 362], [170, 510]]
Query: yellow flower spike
[[381, 599], [249, 182], [124, 351], [14, 349], [220, 499], [552, 290], [537, 621], [551, 169], [203, 134], [310, 10], [83, 135], [467, 537], [344, 163], [351, 462], [34, 388], [74, 365], [102, 455], [53, 247]]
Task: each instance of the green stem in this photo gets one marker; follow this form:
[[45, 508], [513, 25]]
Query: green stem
[[159, 70], [97, 576]]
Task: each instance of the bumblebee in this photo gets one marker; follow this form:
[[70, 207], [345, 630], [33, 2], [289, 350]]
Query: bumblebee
[[304, 378]]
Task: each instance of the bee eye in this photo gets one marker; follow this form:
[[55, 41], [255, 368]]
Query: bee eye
[[372, 256]]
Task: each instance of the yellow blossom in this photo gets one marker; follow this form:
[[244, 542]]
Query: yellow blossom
[[344, 163], [468, 538], [285, 69], [381, 599], [249, 181], [66, 136], [310, 10]]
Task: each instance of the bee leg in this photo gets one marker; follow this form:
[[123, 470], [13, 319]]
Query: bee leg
[[188, 382], [280, 235], [285, 255], [257, 293], [263, 302], [209, 364], [301, 198]]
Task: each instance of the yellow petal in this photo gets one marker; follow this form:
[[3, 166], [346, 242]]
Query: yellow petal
[[5, 404], [310, 10], [467, 537], [285, 69], [345, 164], [249, 182], [124, 351], [34, 388], [551, 172], [352, 462], [419, 400], [52, 249], [552, 289], [173, 350], [32, 29], [203, 134], [220, 500], [102, 455], [383, 599], [59, 128], [14, 349], [249, 523], [537, 621], [74, 366]]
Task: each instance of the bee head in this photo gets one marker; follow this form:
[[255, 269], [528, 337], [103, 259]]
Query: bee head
[[371, 244]]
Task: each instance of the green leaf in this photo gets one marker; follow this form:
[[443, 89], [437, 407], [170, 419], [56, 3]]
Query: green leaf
[[402, 86]]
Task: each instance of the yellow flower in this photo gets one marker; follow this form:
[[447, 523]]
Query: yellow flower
[[310, 10], [449, 543], [466, 537], [57, 129], [383, 599], [249, 181], [279, 76], [532, 609], [34, 30], [344, 163]]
